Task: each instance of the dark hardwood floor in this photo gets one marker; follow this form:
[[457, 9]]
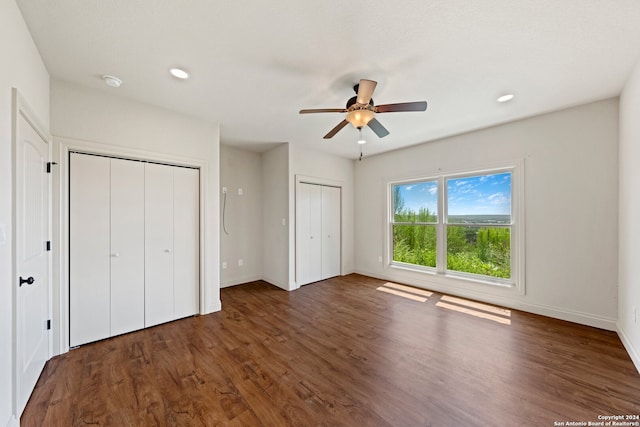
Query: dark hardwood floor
[[340, 352]]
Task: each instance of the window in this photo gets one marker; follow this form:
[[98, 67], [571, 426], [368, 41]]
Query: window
[[457, 225]]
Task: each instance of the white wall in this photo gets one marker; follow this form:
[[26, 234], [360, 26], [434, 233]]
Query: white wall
[[275, 189], [22, 68], [570, 202], [320, 165], [81, 114], [241, 169], [628, 214]]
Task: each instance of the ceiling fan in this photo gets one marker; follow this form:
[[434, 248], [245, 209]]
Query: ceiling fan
[[361, 110]]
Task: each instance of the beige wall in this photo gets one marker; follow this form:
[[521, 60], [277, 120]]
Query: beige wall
[[241, 169], [571, 173]]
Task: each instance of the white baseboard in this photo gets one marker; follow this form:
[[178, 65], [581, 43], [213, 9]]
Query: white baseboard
[[214, 306], [543, 310], [634, 353], [13, 422], [239, 281], [276, 283]]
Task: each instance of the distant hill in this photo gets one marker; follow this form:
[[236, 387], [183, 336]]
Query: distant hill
[[479, 219]]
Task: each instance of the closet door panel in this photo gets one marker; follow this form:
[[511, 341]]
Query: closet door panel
[[308, 233], [331, 232], [186, 241], [89, 267], [158, 244], [127, 246]]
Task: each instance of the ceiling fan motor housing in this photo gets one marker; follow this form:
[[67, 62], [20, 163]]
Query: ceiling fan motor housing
[[354, 101]]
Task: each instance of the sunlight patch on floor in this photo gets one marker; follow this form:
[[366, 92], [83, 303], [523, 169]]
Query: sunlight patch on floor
[[408, 292], [484, 311]]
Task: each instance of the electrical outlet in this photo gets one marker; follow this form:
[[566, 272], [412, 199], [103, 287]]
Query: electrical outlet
[[380, 258], [224, 190], [240, 192], [284, 222], [224, 264], [240, 263]]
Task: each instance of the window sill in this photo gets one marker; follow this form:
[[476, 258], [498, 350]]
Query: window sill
[[454, 277]]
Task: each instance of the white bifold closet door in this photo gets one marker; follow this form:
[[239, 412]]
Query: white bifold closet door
[[171, 244], [127, 246], [330, 265], [317, 232], [158, 248], [134, 245], [90, 249], [186, 241]]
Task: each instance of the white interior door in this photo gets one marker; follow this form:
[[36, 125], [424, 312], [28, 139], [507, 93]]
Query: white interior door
[[186, 241], [127, 246], [89, 247], [158, 244], [32, 259], [331, 232], [308, 233]]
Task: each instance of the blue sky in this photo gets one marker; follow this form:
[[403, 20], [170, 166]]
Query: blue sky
[[478, 195]]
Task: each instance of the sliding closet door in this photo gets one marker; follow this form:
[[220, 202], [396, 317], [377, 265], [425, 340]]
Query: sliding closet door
[[330, 232], [158, 244], [89, 267], [186, 241], [127, 246], [308, 233]]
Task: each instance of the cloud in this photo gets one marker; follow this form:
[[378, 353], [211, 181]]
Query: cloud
[[498, 199]]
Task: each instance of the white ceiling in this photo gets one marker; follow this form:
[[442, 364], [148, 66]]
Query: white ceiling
[[255, 64]]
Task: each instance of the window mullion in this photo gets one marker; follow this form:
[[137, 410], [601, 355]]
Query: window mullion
[[441, 236]]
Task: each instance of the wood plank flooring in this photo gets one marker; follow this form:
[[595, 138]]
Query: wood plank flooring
[[341, 353]]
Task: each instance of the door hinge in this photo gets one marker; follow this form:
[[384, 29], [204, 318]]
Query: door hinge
[[48, 245], [48, 324], [49, 164]]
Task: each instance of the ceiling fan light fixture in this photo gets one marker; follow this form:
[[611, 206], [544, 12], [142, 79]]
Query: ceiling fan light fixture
[[359, 118]]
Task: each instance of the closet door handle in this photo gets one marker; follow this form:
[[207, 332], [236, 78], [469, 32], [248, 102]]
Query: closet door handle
[[115, 254], [168, 251], [28, 281]]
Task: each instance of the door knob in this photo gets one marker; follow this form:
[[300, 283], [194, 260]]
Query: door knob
[[115, 255], [28, 281], [168, 251]]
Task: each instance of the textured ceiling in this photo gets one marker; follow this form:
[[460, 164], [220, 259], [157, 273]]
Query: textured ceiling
[[256, 64]]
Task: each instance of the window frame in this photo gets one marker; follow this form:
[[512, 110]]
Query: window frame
[[516, 225]]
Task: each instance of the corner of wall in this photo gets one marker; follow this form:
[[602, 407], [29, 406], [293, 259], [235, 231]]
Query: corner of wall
[[628, 345]]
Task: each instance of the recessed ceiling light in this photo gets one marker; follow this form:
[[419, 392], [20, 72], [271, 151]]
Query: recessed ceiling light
[[112, 81], [179, 73], [506, 97]]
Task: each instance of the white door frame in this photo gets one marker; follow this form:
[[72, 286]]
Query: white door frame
[[22, 109], [62, 148]]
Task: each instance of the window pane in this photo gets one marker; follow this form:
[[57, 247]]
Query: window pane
[[483, 199], [415, 244], [479, 250], [416, 202]]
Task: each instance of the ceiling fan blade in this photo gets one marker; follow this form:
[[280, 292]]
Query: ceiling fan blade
[[336, 129], [365, 91], [402, 106], [324, 110], [377, 128]]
